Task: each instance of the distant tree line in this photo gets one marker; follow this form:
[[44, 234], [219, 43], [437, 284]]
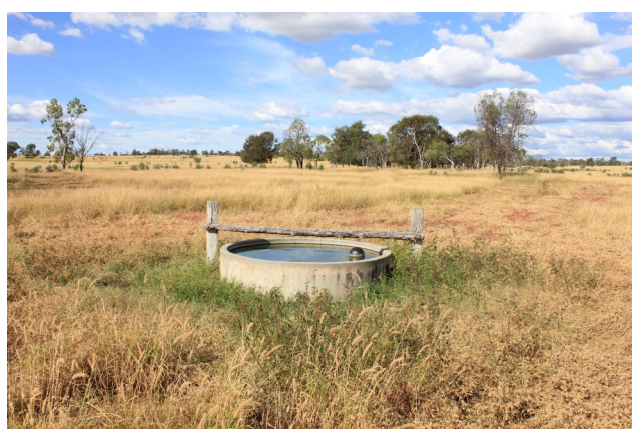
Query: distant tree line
[[176, 152]]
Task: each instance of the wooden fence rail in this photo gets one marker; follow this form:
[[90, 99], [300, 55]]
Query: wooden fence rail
[[415, 234]]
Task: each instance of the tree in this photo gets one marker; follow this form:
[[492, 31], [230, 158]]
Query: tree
[[259, 148], [62, 131], [30, 150], [12, 148], [412, 137], [469, 140], [349, 141], [296, 145], [319, 145], [504, 124], [85, 141]]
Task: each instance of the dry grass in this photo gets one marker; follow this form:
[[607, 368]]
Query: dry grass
[[518, 315]]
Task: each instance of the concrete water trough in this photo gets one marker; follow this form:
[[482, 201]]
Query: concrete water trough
[[303, 265]]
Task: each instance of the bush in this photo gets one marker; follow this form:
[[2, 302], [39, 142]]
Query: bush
[[12, 167], [308, 165], [227, 166], [321, 167], [35, 169], [52, 168], [134, 167]]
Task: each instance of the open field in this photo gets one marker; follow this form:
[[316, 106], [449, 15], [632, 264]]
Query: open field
[[517, 314]]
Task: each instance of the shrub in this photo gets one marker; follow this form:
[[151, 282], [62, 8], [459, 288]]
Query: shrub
[[227, 166], [12, 167], [321, 167], [308, 165]]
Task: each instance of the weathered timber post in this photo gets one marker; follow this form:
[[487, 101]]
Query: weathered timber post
[[212, 233], [417, 217]]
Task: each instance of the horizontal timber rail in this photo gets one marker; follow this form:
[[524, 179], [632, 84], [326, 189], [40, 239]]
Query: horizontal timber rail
[[416, 233]]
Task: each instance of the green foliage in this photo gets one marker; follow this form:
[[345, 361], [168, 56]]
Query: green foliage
[[259, 148], [308, 165], [12, 148], [63, 129], [12, 168], [321, 167], [296, 145]]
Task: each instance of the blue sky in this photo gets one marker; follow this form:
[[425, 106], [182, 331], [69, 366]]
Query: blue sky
[[208, 81]]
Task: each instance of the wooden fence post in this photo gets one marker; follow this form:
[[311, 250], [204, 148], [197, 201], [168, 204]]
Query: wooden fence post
[[417, 217], [212, 234]]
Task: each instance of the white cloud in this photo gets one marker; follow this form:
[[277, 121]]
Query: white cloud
[[585, 102], [36, 110], [362, 50], [460, 67], [582, 140], [319, 26], [538, 35], [312, 66], [271, 111], [622, 16], [456, 109], [30, 44], [611, 42], [137, 35], [383, 43], [119, 125], [72, 31], [366, 73], [482, 16], [33, 20], [475, 42], [302, 26], [448, 66], [594, 65]]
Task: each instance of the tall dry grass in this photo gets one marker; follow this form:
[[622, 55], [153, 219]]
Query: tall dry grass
[[517, 315]]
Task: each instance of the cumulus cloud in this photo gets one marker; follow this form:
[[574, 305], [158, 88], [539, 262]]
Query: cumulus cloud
[[475, 42], [312, 66], [366, 73], [448, 66], [455, 109], [583, 140], [299, 26], [362, 50], [578, 103], [119, 125], [460, 67], [36, 110], [538, 35], [72, 31], [271, 111], [585, 102], [30, 44], [319, 26], [594, 65]]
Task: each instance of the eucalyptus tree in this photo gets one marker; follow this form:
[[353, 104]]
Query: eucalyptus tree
[[412, 137], [296, 144], [319, 146], [63, 129], [504, 124]]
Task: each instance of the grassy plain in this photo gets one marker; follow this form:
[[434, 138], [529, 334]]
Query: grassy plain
[[517, 314]]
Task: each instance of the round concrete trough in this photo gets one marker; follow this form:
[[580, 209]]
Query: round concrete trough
[[291, 277]]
